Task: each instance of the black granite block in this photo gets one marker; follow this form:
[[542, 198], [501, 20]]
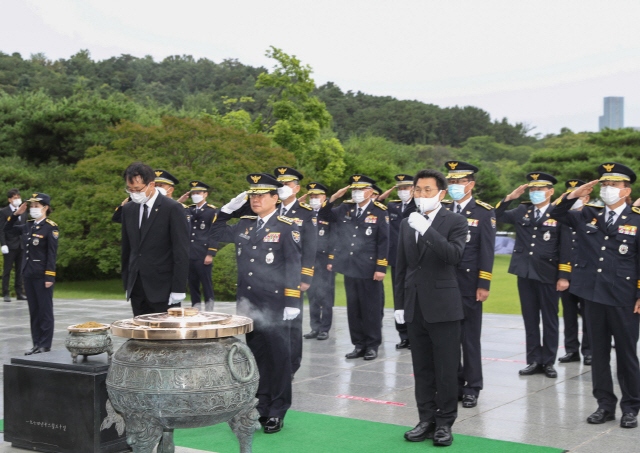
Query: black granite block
[[54, 405]]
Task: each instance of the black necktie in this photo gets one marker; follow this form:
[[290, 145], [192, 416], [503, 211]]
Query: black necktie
[[144, 216], [459, 209], [260, 224], [610, 220], [358, 213], [537, 215]]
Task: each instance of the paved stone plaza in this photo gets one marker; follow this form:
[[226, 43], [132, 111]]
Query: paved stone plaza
[[533, 410]]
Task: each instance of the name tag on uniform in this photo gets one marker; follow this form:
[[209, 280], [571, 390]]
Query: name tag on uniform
[[371, 219], [315, 221], [272, 237], [628, 229], [322, 222], [473, 222], [550, 223]]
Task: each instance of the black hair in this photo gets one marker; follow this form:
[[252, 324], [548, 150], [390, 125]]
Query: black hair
[[12, 193], [139, 169], [441, 181]]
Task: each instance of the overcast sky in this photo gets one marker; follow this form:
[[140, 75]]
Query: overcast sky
[[545, 63]]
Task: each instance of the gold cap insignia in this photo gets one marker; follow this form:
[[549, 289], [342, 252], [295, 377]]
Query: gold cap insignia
[[401, 178], [158, 173], [356, 178], [453, 165], [34, 195], [282, 170], [194, 184], [535, 177], [609, 167], [573, 183], [313, 186], [256, 179]]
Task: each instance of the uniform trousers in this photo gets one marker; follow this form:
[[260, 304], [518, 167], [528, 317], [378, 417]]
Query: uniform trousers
[[538, 298], [622, 323], [40, 301], [571, 306], [435, 352], [364, 312], [295, 336], [400, 328], [200, 273], [141, 305], [470, 370], [13, 257], [321, 296]]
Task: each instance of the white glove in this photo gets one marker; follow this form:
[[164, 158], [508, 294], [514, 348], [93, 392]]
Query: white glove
[[290, 313], [399, 315], [235, 204], [176, 298], [418, 222], [5, 249]]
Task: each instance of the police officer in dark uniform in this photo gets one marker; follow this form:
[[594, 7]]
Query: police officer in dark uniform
[[360, 253], [606, 275], [201, 252], [306, 220], [12, 248], [541, 260], [322, 293], [572, 304], [40, 239], [474, 272], [398, 210], [269, 256]]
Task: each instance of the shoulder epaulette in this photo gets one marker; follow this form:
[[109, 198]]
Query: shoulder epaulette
[[636, 210], [484, 205], [211, 206], [31, 220], [252, 217], [446, 201], [184, 205], [191, 205], [380, 205], [286, 220], [596, 206], [395, 201], [306, 206], [525, 202], [51, 222], [349, 201]]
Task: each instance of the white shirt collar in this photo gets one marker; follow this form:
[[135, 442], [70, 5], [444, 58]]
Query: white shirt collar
[[288, 206], [617, 210], [364, 208], [13, 208], [432, 214], [542, 209], [268, 216], [149, 204], [462, 205]]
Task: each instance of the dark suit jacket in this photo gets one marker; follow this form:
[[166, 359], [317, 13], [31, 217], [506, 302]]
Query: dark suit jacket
[[158, 254], [431, 276], [10, 238]]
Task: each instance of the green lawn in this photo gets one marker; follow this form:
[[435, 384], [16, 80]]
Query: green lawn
[[502, 299]]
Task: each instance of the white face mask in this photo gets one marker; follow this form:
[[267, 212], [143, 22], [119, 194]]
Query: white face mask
[[577, 205], [162, 190], [404, 195], [610, 195], [316, 203], [35, 213], [428, 204], [357, 196], [285, 192], [17, 202], [139, 197], [197, 198]]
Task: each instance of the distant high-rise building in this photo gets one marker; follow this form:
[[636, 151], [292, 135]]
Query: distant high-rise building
[[613, 117]]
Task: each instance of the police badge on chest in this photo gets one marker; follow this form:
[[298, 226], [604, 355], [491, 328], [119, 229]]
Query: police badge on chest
[[202, 226], [623, 249], [369, 231], [546, 236], [269, 258]]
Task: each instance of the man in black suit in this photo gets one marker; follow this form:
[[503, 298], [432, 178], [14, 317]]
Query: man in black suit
[[12, 247], [155, 245], [428, 299]]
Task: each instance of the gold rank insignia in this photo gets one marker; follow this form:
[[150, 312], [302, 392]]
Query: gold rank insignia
[[194, 184], [256, 179], [158, 173], [282, 170], [313, 186], [609, 167], [355, 178], [401, 177], [573, 183], [453, 165], [535, 177]]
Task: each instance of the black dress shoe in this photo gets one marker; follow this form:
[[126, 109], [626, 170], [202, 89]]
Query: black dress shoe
[[404, 344], [628, 420], [600, 416], [40, 349], [370, 354], [587, 360], [273, 425], [422, 431], [532, 368], [323, 335], [570, 357], [550, 371], [311, 335], [469, 401], [7, 298], [31, 351], [21, 297], [356, 353], [442, 437], [263, 420]]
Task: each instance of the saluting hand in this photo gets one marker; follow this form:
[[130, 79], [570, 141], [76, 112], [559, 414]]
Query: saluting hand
[[184, 197], [516, 193], [339, 194], [583, 190], [126, 200], [21, 209], [303, 199], [385, 195]]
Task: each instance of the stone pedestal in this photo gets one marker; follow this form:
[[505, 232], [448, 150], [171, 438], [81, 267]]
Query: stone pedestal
[[54, 405]]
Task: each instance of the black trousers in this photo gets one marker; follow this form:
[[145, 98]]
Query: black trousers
[[470, 370], [141, 305], [401, 328], [364, 312], [573, 305], [321, 295], [435, 351], [14, 257], [200, 273], [537, 298], [622, 323], [295, 336], [269, 341], [40, 301]]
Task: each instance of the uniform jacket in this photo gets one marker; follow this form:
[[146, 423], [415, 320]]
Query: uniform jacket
[[325, 241], [41, 247], [426, 270], [542, 251], [306, 220], [201, 221], [159, 253], [476, 266], [361, 245], [269, 262], [607, 266], [395, 219], [11, 238]]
